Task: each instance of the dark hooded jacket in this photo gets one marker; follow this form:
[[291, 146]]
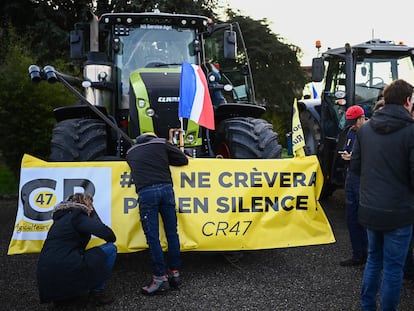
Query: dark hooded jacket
[[65, 269], [150, 159], [383, 156]]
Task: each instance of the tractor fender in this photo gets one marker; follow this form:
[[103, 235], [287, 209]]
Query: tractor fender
[[233, 110], [311, 105], [77, 111]]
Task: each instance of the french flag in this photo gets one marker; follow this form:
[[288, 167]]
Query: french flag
[[195, 101]]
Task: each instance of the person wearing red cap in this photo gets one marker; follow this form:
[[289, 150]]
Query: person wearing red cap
[[355, 117]]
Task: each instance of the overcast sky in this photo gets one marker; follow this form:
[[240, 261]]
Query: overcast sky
[[334, 23]]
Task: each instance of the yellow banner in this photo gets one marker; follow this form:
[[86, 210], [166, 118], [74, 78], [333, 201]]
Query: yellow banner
[[222, 204], [298, 139]]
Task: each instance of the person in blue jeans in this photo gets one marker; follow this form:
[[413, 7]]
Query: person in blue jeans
[[355, 117], [383, 156], [150, 159], [66, 270]]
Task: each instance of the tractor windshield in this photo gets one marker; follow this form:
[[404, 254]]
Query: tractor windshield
[[153, 46], [371, 76]]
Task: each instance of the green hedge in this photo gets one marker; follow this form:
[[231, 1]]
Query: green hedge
[[8, 182]]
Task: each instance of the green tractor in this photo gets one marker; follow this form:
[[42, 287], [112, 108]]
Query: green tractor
[[131, 85], [350, 75]]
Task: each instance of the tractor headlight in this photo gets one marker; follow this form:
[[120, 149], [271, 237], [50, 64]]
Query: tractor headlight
[[190, 138], [141, 103], [150, 112]]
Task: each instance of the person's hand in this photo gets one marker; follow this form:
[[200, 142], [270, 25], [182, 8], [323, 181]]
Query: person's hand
[[346, 156]]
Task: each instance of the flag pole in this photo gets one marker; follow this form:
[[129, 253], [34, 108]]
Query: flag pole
[[181, 140]]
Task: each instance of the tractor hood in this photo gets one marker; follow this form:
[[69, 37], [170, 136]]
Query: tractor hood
[[159, 86], [157, 89]]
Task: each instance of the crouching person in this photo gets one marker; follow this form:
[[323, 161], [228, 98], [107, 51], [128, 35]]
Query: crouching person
[[66, 270]]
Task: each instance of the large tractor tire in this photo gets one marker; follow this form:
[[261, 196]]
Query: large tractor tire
[[246, 138], [75, 140], [311, 131]]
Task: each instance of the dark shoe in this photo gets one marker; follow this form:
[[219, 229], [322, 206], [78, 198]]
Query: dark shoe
[[101, 298], [158, 285], [174, 278], [353, 262]]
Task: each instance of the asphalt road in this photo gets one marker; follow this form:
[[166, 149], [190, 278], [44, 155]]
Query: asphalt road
[[300, 278]]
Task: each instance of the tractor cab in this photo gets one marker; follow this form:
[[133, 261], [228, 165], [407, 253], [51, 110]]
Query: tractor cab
[[350, 75]]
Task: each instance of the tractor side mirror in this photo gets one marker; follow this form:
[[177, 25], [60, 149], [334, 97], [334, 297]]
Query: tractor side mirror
[[195, 47], [230, 44], [318, 69], [77, 48]]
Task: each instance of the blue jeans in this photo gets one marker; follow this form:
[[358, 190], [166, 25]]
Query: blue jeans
[[357, 233], [409, 262], [387, 251], [110, 251], [153, 201]]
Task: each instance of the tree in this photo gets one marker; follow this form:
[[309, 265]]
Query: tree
[[26, 110], [39, 33], [202, 7], [47, 23], [277, 73]]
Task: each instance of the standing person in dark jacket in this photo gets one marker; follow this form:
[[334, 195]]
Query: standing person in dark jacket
[[383, 155], [65, 269], [150, 159], [355, 117]]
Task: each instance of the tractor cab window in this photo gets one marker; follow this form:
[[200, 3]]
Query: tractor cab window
[[372, 75], [335, 95], [232, 71], [153, 46]]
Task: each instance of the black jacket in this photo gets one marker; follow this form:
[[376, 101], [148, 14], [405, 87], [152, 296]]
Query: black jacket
[[64, 268], [150, 159], [383, 156]]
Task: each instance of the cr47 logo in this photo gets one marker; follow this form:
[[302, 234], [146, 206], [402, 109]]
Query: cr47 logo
[[39, 196]]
